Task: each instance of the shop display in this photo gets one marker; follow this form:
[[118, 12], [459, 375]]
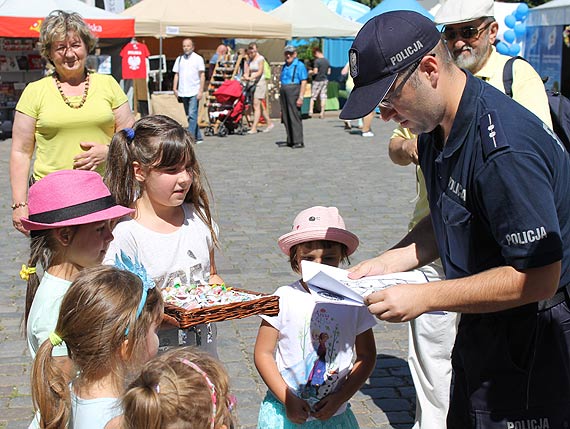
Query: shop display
[[20, 63]]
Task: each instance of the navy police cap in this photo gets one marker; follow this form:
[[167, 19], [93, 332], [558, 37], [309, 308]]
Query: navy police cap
[[386, 45]]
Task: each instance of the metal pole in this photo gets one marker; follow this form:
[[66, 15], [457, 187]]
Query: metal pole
[[160, 60]]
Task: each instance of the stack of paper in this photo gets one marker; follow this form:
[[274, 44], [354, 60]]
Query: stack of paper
[[332, 284]]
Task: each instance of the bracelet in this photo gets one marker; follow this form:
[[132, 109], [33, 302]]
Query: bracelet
[[18, 205]]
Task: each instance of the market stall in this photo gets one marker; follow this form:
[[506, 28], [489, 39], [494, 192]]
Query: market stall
[[547, 43]]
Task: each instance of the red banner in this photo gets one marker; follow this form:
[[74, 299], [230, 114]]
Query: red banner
[[102, 28]]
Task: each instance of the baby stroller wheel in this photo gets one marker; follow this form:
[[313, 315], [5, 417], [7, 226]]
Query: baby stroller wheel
[[209, 131], [222, 130], [240, 130]]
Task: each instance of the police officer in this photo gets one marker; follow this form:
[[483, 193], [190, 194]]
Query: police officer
[[470, 31], [497, 181]]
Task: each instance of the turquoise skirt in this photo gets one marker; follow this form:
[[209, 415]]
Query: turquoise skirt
[[272, 415]]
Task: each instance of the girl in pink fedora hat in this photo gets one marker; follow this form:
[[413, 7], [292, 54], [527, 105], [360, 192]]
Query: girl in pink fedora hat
[[305, 354], [70, 214]]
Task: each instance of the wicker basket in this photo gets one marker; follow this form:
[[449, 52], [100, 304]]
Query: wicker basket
[[264, 304]]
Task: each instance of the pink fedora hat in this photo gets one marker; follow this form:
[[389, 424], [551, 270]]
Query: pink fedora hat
[[70, 197], [318, 223]]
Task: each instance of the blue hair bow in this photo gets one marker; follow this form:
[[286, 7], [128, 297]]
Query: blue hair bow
[[130, 133], [125, 263]]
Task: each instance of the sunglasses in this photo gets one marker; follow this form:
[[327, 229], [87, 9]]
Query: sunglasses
[[464, 32]]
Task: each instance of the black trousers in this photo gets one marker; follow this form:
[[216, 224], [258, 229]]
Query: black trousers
[[291, 114], [511, 370]]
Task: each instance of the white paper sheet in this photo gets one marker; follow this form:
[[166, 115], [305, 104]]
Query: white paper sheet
[[329, 283]]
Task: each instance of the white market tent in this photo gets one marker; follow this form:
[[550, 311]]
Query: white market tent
[[312, 18], [555, 12], [24, 18], [205, 18]]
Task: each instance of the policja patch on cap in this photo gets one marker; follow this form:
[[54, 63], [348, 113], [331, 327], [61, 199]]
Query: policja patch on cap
[[385, 46]]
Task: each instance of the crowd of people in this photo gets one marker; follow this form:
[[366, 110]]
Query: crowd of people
[[118, 210]]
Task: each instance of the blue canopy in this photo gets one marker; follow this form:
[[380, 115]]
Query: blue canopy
[[391, 5], [348, 9], [268, 5]]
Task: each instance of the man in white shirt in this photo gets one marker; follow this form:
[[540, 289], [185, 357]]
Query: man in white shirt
[[188, 84]]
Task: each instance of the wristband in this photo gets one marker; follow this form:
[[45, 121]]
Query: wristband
[[18, 205]]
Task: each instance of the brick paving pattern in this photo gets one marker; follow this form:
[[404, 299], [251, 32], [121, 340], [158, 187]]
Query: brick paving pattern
[[258, 188]]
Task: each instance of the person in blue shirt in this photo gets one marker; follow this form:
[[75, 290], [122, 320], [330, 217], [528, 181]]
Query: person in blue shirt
[[293, 82], [498, 181]]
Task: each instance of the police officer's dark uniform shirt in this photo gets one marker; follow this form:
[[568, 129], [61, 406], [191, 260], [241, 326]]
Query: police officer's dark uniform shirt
[[499, 195], [499, 191]]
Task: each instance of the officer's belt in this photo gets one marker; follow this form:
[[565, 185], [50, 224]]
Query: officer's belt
[[560, 296]]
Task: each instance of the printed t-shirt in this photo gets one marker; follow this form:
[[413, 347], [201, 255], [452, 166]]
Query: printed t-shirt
[[134, 56], [315, 346]]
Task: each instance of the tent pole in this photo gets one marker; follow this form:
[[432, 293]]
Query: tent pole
[[160, 63]]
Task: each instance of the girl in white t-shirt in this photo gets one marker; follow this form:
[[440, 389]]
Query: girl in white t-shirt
[[153, 169], [305, 354], [108, 321]]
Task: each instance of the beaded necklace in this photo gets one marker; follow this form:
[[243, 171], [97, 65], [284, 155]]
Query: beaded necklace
[[65, 99]]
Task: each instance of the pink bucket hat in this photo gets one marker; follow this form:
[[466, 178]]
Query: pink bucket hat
[[318, 223], [70, 197]]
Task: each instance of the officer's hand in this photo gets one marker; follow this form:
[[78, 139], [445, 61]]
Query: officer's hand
[[370, 267], [398, 303]]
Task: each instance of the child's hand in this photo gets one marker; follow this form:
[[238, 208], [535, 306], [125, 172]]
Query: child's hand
[[215, 280], [297, 409], [326, 407]]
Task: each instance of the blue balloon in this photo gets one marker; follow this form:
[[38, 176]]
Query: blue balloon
[[510, 21], [502, 48], [521, 12], [520, 30], [514, 49], [509, 36]]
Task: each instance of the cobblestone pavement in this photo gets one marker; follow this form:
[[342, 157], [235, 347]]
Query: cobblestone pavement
[[258, 188]]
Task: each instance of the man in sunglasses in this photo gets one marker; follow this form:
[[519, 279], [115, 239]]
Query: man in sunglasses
[[470, 31], [497, 182]]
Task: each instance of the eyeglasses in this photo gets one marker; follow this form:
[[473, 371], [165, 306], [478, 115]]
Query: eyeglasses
[[464, 32], [386, 102]]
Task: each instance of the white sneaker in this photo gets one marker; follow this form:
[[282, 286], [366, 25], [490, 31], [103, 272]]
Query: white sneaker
[[199, 141], [368, 134]]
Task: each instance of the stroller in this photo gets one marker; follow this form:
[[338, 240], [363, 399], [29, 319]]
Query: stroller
[[227, 112]]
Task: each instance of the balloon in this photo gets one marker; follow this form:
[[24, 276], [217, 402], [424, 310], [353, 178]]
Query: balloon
[[510, 21], [502, 48], [520, 30], [509, 36], [521, 12], [514, 49]]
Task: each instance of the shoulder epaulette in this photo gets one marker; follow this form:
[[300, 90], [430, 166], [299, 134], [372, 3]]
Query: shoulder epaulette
[[492, 135]]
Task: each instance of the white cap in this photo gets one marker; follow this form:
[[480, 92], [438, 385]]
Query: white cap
[[458, 11]]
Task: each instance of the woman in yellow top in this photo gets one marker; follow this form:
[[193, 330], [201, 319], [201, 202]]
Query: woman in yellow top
[[69, 117]]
